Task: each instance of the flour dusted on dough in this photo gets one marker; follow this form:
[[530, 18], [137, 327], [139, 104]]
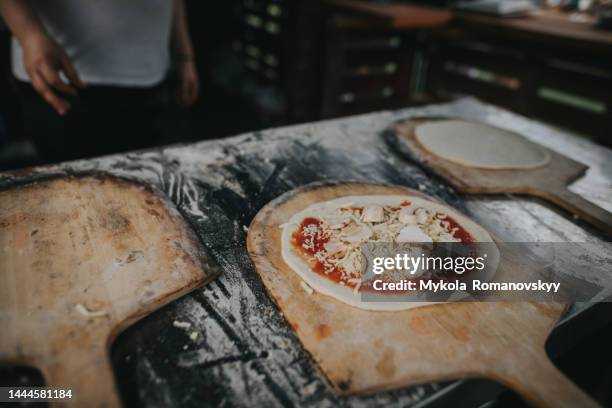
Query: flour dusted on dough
[[348, 222], [479, 145]]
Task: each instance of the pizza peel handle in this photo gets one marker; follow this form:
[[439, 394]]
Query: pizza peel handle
[[532, 375], [576, 204], [86, 372]]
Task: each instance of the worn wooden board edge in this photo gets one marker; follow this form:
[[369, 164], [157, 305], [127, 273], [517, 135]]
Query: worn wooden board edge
[[260, 250], [202, 260]]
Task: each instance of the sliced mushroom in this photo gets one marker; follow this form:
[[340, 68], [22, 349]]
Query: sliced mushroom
[[334, 247], [406, 217], [355, 265], [412, 233], [356, 233], [373, 213], [337, 220], [422, 215]]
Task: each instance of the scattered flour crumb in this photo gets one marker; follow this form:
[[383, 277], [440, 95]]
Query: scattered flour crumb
[[193, 336], [87, 313], [245, 228], [181, 325], [285, 225], [310, 388]]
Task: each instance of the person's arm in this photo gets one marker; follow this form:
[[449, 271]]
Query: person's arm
[[43, 58], [182, 50]]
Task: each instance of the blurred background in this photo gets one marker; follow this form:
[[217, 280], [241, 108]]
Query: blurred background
[[265, 63]]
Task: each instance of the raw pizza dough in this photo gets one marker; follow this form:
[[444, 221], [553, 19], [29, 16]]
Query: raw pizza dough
[[345, 294], [479, 145]]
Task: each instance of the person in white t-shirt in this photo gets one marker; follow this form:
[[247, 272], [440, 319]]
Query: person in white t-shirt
[[93, 75]]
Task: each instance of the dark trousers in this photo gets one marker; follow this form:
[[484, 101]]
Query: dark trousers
[[101, 120]]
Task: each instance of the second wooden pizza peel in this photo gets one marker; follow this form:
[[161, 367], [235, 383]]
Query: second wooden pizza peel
[[82, 258], [366, 351], [549, 182]]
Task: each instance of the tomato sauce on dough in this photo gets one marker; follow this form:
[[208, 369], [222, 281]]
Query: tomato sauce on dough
[[310, 245]]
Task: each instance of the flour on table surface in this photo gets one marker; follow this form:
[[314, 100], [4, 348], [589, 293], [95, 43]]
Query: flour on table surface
[[245, 353]]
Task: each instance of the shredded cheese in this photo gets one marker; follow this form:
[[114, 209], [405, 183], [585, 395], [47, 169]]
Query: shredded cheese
[[346, 228]]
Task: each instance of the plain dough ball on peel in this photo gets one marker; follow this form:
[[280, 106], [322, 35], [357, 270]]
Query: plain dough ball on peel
[[479, 145]]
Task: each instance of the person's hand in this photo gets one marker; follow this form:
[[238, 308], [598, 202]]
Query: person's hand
[[44, 59], [188, 87]]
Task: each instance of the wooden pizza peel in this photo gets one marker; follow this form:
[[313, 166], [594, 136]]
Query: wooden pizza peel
[[364, 351], [549, 182], [82, 258]]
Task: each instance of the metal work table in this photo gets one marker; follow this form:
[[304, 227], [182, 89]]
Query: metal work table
[[243, 352]]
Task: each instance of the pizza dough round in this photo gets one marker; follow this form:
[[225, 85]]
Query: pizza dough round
[[346, 294], [480, 145]]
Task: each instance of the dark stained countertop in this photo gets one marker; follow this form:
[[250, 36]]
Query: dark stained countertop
[[239, 351]]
